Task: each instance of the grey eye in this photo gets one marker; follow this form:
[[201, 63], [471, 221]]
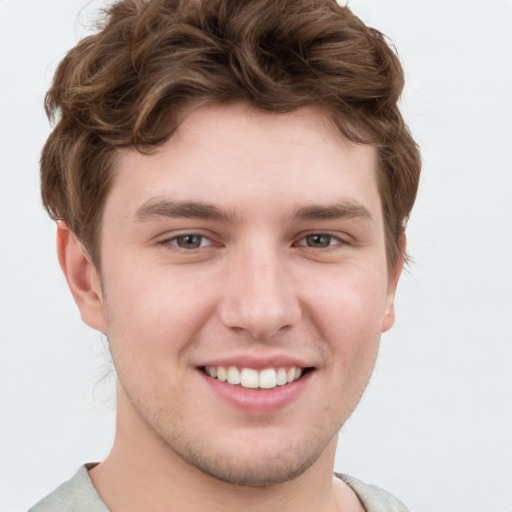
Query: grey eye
[[318, 240], [189, 241]]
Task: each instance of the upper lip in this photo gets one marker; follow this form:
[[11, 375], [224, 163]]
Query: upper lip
[[258, 363]]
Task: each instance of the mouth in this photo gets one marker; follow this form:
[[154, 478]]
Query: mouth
[[250, 378]]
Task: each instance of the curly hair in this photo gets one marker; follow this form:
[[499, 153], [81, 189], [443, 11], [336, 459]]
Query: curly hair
[[125, 85]]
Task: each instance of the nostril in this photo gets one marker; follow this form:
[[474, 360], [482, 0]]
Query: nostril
[[259, 297]]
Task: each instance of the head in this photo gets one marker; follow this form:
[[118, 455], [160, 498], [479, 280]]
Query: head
[[129, 84], [235, 179]]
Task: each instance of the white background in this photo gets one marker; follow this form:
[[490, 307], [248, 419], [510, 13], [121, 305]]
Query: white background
[[435, 426]]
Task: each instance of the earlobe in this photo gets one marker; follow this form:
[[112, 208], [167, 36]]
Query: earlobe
[[389, 317], [82, 277], [394, 276]]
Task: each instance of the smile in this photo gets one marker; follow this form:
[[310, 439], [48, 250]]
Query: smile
[[268, 378]]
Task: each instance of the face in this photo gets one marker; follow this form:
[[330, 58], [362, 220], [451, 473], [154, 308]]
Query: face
[[244, 290]]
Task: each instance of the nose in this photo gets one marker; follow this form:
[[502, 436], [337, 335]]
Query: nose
[[259, 296]]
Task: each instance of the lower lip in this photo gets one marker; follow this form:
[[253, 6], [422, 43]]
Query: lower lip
[[258, 401]]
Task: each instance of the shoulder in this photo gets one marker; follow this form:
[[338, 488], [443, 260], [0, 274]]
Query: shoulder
[[77, 494], [372, 497]]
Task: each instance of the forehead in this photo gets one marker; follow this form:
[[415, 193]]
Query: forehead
[[245, 159]]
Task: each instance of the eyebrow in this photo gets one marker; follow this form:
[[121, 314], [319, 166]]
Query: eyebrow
[[155, 208], [342, 210]]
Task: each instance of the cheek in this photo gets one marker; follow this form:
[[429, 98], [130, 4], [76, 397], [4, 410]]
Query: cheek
[[349, 313], [153, 309], [353, 298]]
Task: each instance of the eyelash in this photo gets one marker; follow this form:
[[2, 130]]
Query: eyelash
[[331, 237], [174, 241]]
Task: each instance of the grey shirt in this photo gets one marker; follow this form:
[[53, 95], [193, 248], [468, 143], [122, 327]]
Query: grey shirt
[[79, 495]]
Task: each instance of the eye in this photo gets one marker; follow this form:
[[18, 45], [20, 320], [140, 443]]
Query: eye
[[188, 241], [319, 240]]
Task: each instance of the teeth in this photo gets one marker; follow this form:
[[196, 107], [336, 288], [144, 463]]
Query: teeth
[[233, 375], [281, 377], [249, 378], [268, 378], [222, 375]]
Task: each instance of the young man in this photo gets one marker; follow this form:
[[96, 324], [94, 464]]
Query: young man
[[231, 182]]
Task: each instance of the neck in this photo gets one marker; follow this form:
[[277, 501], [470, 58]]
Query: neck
[[143, 473]]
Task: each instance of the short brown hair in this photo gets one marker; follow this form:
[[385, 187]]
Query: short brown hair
[[123, 87]]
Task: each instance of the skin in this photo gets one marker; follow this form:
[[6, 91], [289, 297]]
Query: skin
[[263, 281]]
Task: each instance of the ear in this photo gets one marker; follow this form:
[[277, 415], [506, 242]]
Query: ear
[[394, 276], [82, 277]]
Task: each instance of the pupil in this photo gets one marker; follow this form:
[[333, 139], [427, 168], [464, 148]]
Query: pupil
[[189, 241], [318, 240]]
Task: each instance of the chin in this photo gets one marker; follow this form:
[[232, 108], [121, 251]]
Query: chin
[[246, 470]]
